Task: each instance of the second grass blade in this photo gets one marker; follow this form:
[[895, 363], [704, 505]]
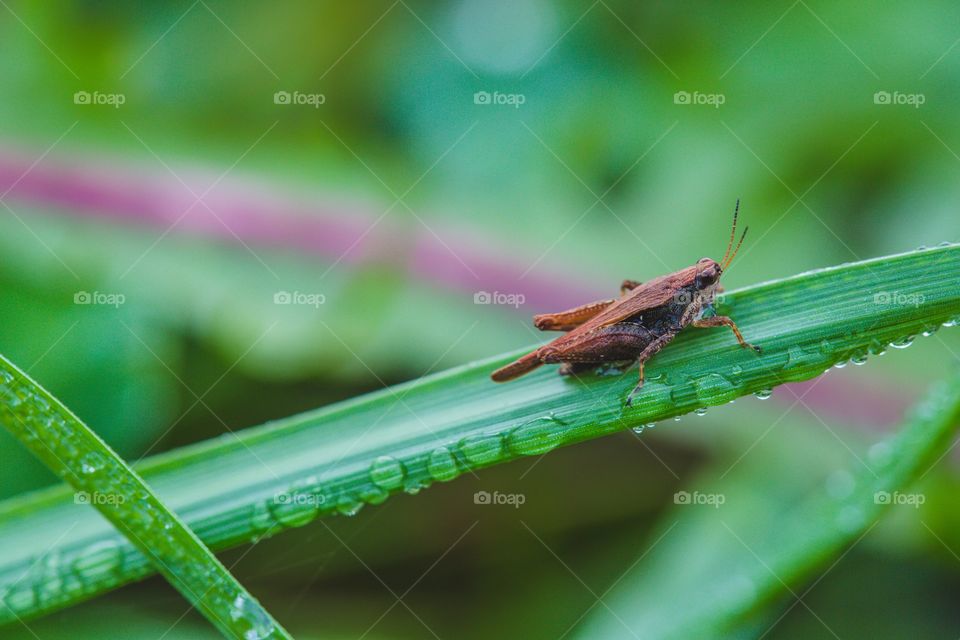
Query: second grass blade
[[103, 480]]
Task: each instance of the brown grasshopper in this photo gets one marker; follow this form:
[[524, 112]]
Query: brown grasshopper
[[634, 327]]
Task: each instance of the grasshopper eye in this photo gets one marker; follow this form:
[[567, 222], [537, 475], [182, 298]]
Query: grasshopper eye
[[710, 273]]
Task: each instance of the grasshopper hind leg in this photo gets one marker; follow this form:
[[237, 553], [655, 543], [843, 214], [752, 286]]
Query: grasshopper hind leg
[[645, 355]]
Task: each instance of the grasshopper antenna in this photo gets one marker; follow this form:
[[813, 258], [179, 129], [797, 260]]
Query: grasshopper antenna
[[724, 266], [733, 231]]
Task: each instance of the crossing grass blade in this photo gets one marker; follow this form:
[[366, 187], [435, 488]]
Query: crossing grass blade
[[101, 479]]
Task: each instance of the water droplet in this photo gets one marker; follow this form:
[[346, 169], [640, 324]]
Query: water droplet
[[348, 505], [100, 558], [387, 472], [91, 463], [841, 364], [880, 454], [372, 494], [840, 484], [676, 418], [945, 243], [802, 364], [902, 343], [850, 519], [40, 403], [442, 465], [21, 598], [929, 330], [638, 429], [701, 411], [262, 519], [293, 508], [858, 359], [650, 425], [713, 389], [763, 394], [245, 609], [952, 322], [10, 399], [482, 449], [537, 436], [413, 486]]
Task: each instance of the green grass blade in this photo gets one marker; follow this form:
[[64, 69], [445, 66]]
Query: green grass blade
[[338, 458], [737, 561], [102, 479]]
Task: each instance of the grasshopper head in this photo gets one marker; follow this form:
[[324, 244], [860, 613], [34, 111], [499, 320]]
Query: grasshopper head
[[708, 273]]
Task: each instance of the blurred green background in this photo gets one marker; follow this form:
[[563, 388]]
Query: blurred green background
[[397, 160]]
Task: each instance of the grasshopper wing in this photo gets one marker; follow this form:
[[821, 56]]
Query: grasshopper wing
[[649, 295]]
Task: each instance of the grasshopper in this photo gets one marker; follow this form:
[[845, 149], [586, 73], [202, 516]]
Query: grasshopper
[[635, 326]]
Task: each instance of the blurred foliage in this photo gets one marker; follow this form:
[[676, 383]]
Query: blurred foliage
[[799, 119]]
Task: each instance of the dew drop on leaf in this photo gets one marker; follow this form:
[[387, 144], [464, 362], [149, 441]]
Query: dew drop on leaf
[[387, 472], [840, 484], [91, 463], [442, 465], [880, 454], [245, 609], [902, 343]]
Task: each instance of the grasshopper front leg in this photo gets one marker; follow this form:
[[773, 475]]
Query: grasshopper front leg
[[724, 321]]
